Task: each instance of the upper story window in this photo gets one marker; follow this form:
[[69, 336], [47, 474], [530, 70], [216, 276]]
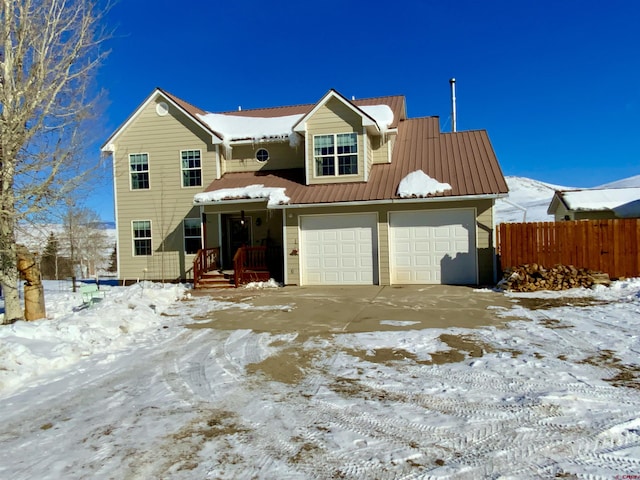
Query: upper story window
[[139, 169], [336, 154], [192, 231], [191, 168], [141, 237]]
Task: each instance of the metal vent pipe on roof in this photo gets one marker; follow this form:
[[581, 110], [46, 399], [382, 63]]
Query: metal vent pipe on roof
[[453, 104]]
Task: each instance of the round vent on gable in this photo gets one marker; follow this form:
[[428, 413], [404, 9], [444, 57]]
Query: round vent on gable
[[162, 109], [262, 155]]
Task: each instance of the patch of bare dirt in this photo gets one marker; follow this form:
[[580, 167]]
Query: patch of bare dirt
[[548, 303], [288, 366], [461, 348], [626, 376]]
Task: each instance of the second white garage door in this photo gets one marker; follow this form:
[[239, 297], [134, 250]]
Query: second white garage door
[[338, 249], [433, 247]]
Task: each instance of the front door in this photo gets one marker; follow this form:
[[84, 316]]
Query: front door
[[238, 234]]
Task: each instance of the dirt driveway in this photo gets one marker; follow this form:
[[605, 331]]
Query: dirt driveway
[[350, 309]]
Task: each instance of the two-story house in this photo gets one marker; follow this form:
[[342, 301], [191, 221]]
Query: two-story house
[[339, 192]]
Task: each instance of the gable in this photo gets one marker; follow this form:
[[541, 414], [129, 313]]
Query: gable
[[335, 98], [149, 130], [162, 103], [333, 117]]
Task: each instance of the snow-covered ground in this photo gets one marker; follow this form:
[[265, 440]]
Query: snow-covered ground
[[125, 390]]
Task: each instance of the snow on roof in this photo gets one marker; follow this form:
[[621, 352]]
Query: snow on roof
[[419, 184], [603, 199], [274, 196], [382, 114], [235, 127]]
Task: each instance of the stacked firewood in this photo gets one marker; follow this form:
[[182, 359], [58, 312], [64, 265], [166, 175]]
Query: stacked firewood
[[533, 277]]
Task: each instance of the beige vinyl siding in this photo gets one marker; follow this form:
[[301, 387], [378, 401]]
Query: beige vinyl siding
[[484, 233], [166, 203], [381, 147], [331, 118], [485, 241], [281, 156], [561, 211], [383, 248], [292, 241], [371, 140]]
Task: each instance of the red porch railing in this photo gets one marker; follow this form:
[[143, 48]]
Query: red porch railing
[[206, 260], [250, 265]]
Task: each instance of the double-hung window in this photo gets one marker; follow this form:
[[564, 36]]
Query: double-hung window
[[141, 237], [336, 154], [191, 168], [139, 170], [192, 232]]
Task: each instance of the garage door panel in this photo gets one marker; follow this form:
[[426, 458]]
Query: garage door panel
[[441, 247], [338, 249]]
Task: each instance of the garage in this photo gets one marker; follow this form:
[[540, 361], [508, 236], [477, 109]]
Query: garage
[[433, 247], [339, 249]]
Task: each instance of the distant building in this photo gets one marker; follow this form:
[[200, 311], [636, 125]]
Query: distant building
[[595, 204]]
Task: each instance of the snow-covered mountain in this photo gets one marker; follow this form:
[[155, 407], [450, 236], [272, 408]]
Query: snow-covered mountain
[[529, 199], [624, 183]]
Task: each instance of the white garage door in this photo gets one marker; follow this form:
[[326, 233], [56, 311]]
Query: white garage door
[[338, 249], [433, 247]]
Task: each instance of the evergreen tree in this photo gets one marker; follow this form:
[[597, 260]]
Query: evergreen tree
[[49, 260], [113, 260]]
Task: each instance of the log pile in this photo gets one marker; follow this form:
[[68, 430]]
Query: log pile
[[533, 277]]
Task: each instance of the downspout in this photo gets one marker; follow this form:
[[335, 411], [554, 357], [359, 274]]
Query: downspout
[[307, 167], [112, 149], [366, 153], [285, 254], [218, 166]]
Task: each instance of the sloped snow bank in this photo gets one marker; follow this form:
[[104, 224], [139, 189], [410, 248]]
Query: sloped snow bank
[[29, 350]]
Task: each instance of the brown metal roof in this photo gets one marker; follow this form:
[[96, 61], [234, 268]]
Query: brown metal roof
[[191, 109], [465, 160], [396, 103]]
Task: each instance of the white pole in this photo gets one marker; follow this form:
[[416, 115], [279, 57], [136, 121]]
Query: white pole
[[453, 104]]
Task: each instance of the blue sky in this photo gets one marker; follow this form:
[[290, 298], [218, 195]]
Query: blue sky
[[555, 83]]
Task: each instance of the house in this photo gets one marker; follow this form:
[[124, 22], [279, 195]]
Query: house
[[341, 191], [595, 204]]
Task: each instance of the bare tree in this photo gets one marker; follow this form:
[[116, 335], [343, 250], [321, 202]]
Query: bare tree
[[84, 239], [49, 53]]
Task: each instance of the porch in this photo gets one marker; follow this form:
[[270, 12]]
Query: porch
[[238, 246], [250, 264]]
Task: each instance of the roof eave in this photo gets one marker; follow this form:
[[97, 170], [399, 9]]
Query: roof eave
[[458, 198]]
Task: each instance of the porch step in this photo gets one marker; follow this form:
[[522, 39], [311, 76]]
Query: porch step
[[216, 280]]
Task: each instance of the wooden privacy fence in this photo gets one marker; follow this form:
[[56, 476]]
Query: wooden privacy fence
[[609, 246]]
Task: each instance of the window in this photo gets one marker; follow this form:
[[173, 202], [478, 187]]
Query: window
[[141, 238], [336, 153], [192, 234], [139, 169], [262, 155], [191, 168]]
